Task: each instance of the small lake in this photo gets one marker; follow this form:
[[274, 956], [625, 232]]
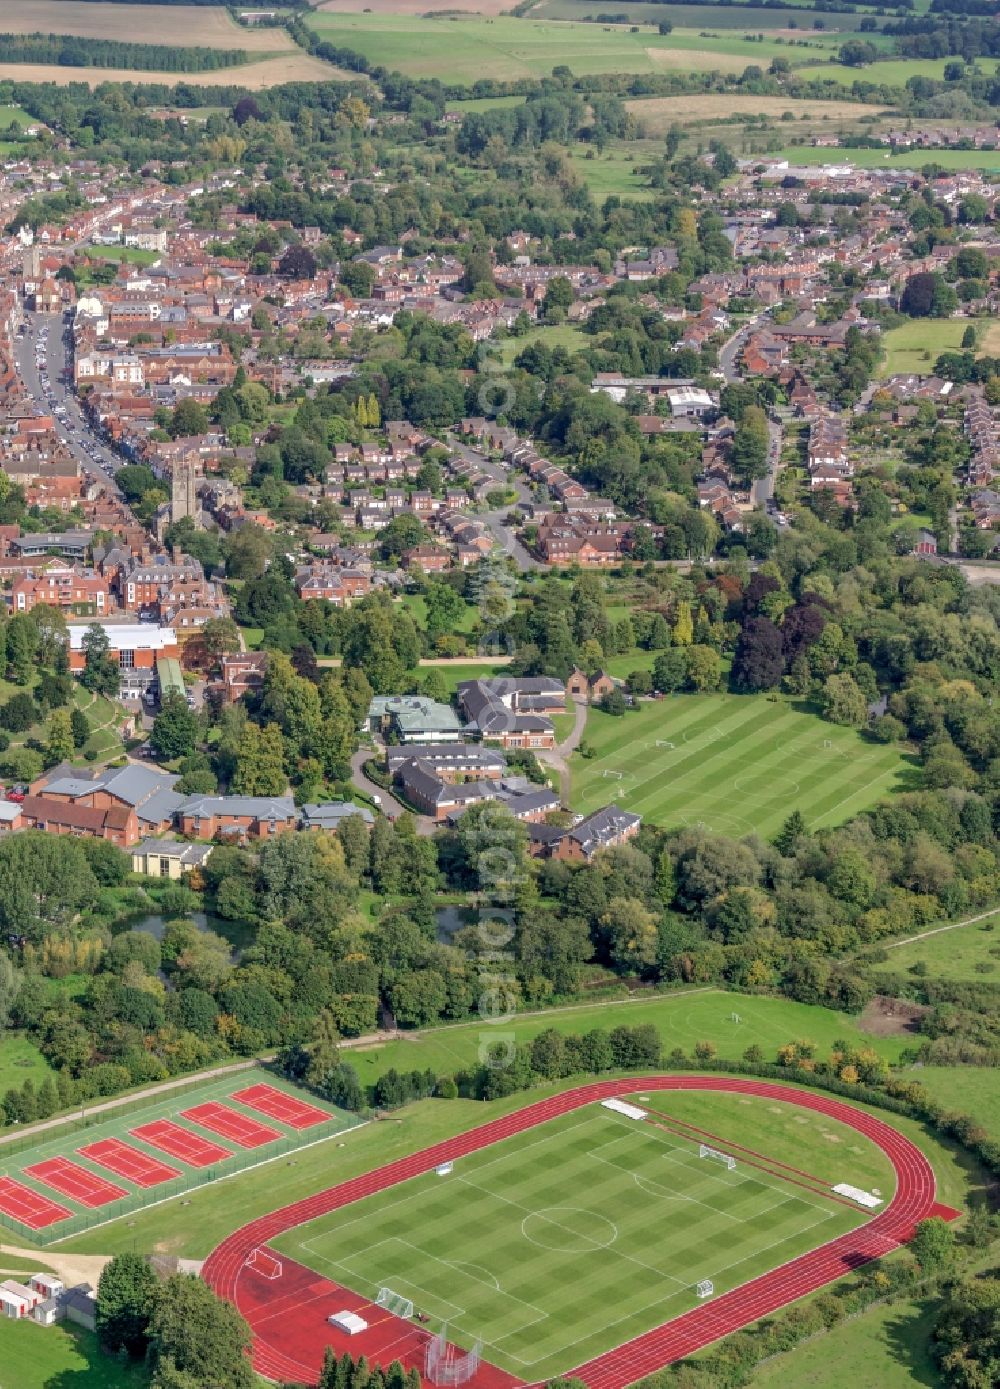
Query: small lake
[[239, 934]]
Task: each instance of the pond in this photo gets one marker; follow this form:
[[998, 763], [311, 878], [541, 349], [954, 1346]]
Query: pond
[[240, 934], [452, 919]]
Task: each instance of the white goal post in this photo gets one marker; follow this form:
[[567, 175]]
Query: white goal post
[[705, 1288], [704, 1151], [664, 743], [610, 772], [394, 1302]]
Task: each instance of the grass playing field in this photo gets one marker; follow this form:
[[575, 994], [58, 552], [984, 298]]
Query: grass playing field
[[733, 764], [914, 346], [586, 1231], [46, 1357]]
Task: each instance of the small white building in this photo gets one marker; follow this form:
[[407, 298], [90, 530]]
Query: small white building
[[47, 1313], [46, 1284], [17, 1300]]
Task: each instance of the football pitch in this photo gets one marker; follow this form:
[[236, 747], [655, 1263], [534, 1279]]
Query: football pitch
[[733, 765], [570, 1238]]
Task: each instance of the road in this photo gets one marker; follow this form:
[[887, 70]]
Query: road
[[506, 479], [732, 347], [45, 336], [762, 490]]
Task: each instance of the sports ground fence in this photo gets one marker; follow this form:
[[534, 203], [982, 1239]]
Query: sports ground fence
[[191, 1180]]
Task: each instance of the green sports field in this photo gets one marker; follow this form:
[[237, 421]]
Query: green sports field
[[528, 1244], [733, 764]]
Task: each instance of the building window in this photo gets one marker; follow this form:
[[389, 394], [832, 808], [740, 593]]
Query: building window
[[164, 868]]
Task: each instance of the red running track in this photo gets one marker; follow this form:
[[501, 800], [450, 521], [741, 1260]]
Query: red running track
[[914, 1200]]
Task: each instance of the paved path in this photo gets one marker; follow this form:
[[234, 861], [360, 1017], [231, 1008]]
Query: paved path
[[938, 930]]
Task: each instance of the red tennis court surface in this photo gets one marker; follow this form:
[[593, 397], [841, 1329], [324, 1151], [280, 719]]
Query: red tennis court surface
[[181, 1143], [237, 1127], [71, 1179], [27, 1206], [129, 1162], [277, 1104]]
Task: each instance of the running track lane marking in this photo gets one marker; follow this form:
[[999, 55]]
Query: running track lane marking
[[914, 1200]]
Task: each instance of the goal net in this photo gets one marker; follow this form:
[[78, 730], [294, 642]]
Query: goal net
[[446, 1364], [396, 1303], [706, 1288], [264, 1263], [611, 774], [704, 1151]]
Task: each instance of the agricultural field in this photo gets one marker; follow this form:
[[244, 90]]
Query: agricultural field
[[196, 26], [969, 952], [255, 76], [577, 1213], [913, 346], [745, 18], [891, 72], [659, 113], [463, 48], [734, 764], [148, 1151]]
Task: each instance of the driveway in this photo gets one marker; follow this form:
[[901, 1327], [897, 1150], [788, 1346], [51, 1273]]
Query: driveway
[[387, 803], [558, 757]]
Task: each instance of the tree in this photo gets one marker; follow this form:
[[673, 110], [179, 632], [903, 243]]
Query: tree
[[10, 985], [933, 1244], [79, 726], [844, 701], [669, 670], [19, 713], [100, 672], [751, 443], [631, 934], [298, 263], [790, 833], [189, 417], [967, 1333], [194, 1332], [175, 728], [60, 743], [759, 661], [260, 762], [126, 1296], [21, 637]]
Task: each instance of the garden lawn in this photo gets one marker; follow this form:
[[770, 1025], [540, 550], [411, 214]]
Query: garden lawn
[[589, 1230], [733, 764], [44, 1357], [966, 952], [613, 173]]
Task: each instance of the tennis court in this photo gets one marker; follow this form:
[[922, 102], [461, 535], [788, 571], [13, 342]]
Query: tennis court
[[181, 1143], [125, 1161], [248, 1133], [70, 1179], [278, 1104], [27, 1206]]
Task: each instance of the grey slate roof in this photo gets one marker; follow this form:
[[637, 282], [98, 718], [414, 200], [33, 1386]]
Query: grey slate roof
[[260, 807]]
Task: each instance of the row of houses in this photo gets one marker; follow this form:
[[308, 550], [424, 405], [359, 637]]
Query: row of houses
[[126, 805]]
